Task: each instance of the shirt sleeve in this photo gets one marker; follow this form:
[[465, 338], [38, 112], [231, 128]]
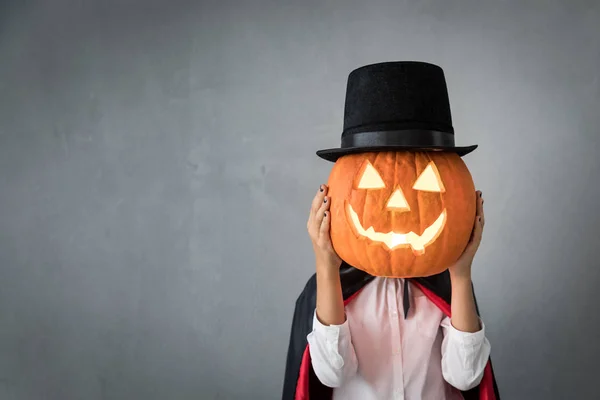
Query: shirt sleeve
[[332, 353], [464, 355]]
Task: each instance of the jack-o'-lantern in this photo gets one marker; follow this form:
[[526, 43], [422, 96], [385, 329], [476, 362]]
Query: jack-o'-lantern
[[401, 214]]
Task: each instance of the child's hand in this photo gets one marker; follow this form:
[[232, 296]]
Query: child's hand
[[318, 229], [462, 267]]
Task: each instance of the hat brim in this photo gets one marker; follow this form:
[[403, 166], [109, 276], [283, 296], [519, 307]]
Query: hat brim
[[335, 153]]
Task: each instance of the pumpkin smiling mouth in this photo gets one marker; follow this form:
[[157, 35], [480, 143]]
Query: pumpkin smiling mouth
[[395, 240]]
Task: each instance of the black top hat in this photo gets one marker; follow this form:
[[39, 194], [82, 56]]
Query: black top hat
[[395, 106]]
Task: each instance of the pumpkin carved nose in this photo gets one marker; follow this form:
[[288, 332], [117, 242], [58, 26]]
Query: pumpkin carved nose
[[397, 201]]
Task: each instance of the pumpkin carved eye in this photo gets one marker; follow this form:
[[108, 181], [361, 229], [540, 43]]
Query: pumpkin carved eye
[[370, 178], [429, 180]]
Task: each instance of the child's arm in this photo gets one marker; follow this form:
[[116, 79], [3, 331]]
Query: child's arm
[[464, 313], [330, 303], [465, 349], [464, 355], [330, 345], [332, 354]]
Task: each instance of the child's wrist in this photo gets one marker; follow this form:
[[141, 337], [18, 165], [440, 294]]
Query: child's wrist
[[326, 272], [460, 277]]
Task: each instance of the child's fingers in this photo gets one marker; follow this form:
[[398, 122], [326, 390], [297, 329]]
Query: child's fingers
[[320, 214], [325, 224], [477, 229], [479, 208], [479, 220], [482, 214], [314, 208], [318, 200]]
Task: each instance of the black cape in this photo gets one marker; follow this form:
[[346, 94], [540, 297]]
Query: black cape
[[300, 381]]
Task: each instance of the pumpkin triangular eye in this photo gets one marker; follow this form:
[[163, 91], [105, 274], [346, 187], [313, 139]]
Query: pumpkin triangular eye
[[370, 178], [429, 180]]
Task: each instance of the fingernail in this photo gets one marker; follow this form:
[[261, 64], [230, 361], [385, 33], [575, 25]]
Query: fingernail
[[325, 201], [479, 219], [320, 188], [480, 194], [325, 213]]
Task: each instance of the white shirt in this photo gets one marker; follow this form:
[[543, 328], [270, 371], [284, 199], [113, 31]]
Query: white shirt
[[378, 354]]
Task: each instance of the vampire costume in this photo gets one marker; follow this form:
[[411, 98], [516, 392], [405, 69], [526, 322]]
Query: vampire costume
[[391, 106], [301, 383]]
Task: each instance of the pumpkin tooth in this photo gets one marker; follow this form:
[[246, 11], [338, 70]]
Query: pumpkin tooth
[[398, 239]]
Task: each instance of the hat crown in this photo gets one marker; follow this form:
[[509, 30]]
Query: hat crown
[[396, 106], [397, 95]]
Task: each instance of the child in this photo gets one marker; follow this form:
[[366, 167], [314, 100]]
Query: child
[[357, 336]]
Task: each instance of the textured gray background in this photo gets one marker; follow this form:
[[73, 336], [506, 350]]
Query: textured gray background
[[157, 164]]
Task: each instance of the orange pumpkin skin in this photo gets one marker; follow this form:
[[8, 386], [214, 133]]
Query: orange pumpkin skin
[[455, 205]]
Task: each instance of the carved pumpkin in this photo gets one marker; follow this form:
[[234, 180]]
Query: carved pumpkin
[[401, 214]]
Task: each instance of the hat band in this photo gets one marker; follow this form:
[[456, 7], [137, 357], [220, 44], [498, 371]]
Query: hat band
[[409, 138]]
